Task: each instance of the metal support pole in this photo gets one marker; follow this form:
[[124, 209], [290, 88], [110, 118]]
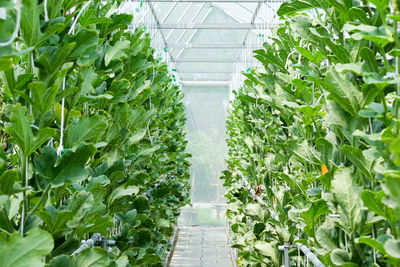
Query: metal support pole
[[285, 248], [194, 32], [310, 255]]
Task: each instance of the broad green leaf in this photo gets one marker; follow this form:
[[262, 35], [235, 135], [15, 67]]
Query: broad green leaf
[[326, 149], [392, 248], [380, 4], [368, 32], [55, 220], [71, 166], [116, 51], [92, 257], [315, 57], [340, 257], [120, 89], [163, 223], [373, 243], [356, 156], [325, 237], [392, 189], [9, 182], [137, 137], [373, 201], [294, 6], [347, 194], [16, 250], [96, 224], [42, 98], [80, 204], [97, 20], [306, 152], [370, 61], [343, 91], [88, 76], [83, 129], [22, 134], [122, 261], [148, 151], [30, 22], [86, 40], [358, 13], [60, 261], [122, 191], [255, 209], [357, 67], [266, 249], [310, 216]]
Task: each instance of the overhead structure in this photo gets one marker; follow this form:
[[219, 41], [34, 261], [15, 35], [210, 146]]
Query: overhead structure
[[207, 43]]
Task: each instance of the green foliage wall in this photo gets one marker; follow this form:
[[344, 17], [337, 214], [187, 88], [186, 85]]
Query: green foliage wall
[[76, 74], [318, 130]]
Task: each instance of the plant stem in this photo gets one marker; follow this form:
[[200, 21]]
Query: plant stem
[[397, 43], [25, 166], [44, 195]]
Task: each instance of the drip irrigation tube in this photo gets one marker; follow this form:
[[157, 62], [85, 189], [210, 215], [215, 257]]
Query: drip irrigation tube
[[96, 240], [310, 255]]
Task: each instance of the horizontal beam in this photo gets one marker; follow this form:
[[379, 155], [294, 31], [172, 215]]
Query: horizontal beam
[[212, 46], [205, 83], [211, 60], [205, 72], [216, 26], [205, 60], [214, 1]]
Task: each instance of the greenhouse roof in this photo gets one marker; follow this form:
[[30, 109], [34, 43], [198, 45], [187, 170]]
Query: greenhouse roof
[[208, 41]]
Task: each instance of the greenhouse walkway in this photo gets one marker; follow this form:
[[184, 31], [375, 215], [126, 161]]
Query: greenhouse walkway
[[202, 246]]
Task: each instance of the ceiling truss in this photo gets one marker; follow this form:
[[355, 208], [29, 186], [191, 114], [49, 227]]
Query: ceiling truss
[[177, 44]]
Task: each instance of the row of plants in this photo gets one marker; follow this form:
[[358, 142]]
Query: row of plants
[[92, 137], [316, 133]]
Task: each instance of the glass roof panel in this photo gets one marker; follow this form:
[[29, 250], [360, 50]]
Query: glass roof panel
[[210, 40]]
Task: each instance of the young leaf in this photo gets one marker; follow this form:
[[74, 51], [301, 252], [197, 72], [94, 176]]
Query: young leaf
[[356, 156], [83, 129], [71, 166], [92, 257], [116, 51], [80, 204], [16, 250], [21, 132], [122, 192], [347, 194]]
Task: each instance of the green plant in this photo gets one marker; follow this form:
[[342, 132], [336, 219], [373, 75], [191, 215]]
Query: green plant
[[92, 133], [318, 126]]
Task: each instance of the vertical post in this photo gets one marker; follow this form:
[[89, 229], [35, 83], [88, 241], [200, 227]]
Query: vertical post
[[285, 248], [286, 254]]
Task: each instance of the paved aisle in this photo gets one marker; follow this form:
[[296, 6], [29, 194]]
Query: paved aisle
[[202, 246]]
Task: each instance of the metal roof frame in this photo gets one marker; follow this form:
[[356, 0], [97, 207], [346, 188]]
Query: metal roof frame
[[195, 23], [215, 26], [213, 1], [209, 45]]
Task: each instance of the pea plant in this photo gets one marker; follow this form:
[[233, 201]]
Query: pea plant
[[92, 137], [316, 133]]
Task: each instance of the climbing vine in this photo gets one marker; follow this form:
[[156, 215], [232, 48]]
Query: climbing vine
[[315, 132], [92, 137]]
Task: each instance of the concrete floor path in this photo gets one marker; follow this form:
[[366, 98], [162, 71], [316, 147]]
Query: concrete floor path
[[202, 246]]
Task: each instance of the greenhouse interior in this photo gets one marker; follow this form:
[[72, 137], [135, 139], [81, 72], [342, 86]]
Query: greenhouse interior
[[213, 133]]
